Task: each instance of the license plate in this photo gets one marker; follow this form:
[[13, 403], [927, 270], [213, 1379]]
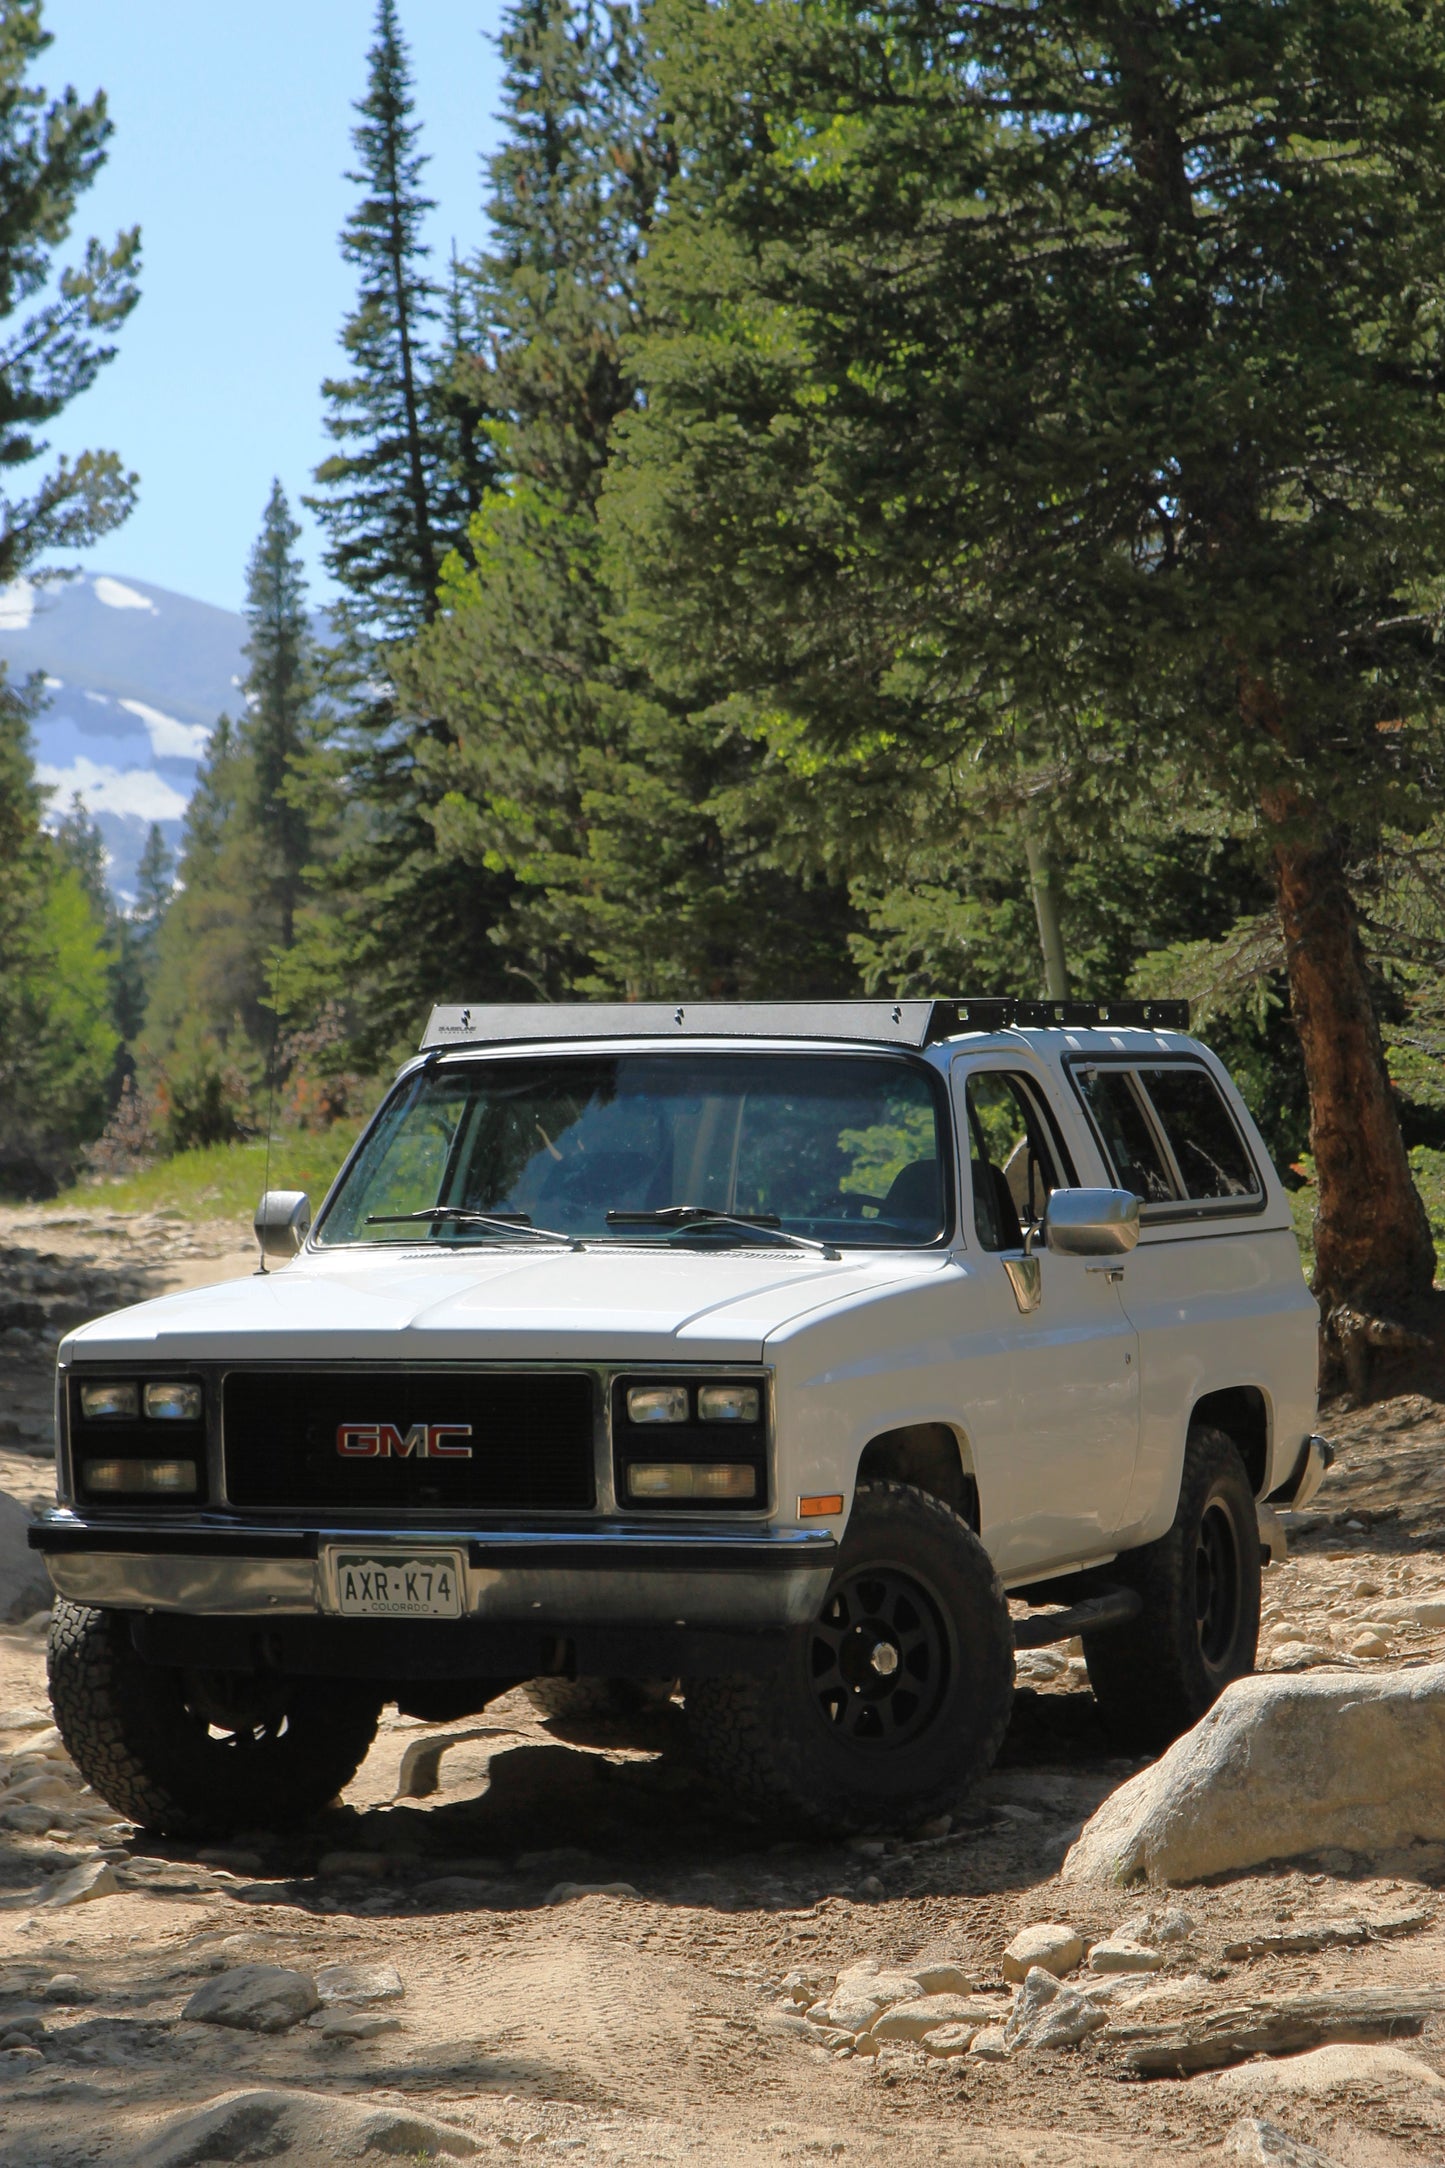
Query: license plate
[[423, 1584]]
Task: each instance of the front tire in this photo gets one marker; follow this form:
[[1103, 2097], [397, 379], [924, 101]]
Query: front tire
[[198, 1753], [894, 1699], [1199, 1626]]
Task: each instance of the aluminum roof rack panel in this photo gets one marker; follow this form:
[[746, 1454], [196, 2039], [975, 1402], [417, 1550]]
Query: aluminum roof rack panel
[[886, 1023]]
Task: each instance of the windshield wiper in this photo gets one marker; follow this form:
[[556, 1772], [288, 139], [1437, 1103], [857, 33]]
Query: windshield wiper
[[455, 1215], [695, 1216]]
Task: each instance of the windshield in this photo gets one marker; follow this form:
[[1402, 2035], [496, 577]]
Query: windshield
[[841, 1148]]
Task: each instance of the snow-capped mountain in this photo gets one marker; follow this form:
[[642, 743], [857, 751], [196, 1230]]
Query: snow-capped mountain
[[135, 677]]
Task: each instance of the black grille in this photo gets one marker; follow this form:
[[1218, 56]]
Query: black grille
[[399, 1439]]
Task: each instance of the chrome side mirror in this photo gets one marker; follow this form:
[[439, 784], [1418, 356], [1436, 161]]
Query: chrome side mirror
[[1091, 1222], [282, 1223]]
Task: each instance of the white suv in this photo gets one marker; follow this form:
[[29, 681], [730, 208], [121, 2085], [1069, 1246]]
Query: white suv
[[764, 1347]]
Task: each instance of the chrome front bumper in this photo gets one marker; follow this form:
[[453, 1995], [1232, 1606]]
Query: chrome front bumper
[[733, 1580]]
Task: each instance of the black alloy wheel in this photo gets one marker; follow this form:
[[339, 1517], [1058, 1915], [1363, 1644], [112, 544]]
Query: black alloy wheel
[[1218, 1583], [879, 1657]]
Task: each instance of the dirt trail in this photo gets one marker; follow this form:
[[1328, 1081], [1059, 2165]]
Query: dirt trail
[[653, 2026]]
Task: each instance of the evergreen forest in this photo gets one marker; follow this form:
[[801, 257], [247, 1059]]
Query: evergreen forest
[[909, 499]]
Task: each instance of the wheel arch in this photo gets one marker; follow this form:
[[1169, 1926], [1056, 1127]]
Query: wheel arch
[[931, 1457], [1242, 1413]]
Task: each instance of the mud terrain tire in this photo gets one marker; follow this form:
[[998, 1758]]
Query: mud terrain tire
[[200, 1753], [893, 1700], [1199, 1627], [597, 1701]]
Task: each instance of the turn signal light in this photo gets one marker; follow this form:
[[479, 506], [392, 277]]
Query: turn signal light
[[821, 1507], [692, 1479], [137, 1478]]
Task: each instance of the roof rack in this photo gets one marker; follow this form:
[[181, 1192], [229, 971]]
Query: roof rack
[[889, 1023]]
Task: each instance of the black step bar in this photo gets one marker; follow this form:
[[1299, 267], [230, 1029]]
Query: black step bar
[[1095, 1615]]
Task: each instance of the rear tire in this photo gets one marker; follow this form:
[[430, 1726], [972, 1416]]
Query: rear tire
[[1200, 1585], [196, 1753], [894, 1699], [596, 1700]]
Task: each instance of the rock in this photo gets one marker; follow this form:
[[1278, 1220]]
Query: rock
[[1417, 1611], [263, 2124], [358, 1983], [1382, 2068], [915, 2020], [1326, 1935], [19, 2062], [1120, 1956], [1048, 2015], [65, 1987], [1157, 1929], [564, 1892], [943, 1979], [1370, 1645], [27, 1821], [1279, 1767], [950, 2040], [254, 1998], [24, 1583], [97, 1878], [863, 1992], [30, 1718], [1057, 1949], [235, 1862], [871, 1886], [421, 1761], [990, 2045], [355, 2024], [1265, 2145]]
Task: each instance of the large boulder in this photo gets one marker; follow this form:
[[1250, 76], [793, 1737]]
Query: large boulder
[[1280, 1766], [24, 1583]]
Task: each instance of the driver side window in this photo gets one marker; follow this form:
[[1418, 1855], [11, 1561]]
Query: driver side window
[[1012, 1158]]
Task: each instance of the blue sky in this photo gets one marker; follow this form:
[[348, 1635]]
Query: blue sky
[[232, 134]]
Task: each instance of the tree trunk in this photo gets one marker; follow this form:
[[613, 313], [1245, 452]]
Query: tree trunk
[[1046, 911], [1373, 1251]]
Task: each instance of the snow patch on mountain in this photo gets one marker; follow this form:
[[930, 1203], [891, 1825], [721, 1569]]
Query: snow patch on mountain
[[117, 596]]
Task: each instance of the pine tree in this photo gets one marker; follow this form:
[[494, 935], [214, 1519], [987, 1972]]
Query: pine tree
[[49, 153], [389, 498], [1080, 363], [250, 834], [280, 688], [578, 778]]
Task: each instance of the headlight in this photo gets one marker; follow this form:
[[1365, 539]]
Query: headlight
[[173, 1403], [117, 1401], [692, 1479], [657, 1404], [728, 1403], [138, 1477]]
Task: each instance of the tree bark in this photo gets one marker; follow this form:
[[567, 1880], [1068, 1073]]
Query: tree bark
[[1046, 911], [1374, 1255]]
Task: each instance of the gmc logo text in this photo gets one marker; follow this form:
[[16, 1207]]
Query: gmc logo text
[[383, 1441]]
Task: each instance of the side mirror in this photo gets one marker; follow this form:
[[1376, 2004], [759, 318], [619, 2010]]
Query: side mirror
[[283, 1221], [1091, 1222]]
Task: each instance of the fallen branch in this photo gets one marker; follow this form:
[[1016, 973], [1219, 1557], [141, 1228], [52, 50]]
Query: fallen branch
[[1202, 2038]]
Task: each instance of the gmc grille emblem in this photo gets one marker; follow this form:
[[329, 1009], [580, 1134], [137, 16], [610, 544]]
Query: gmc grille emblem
[[383, 1441]]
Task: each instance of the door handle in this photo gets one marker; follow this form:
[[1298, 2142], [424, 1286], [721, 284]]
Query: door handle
[[1112, 1273]]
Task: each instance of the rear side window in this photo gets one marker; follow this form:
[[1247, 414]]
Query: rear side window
[[1208, 1149], [1127, 1135]]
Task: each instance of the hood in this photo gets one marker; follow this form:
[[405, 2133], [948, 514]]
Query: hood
[[597, 1305]]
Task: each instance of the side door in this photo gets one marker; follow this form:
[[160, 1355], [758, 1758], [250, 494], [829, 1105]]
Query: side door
[[1062, 1490]]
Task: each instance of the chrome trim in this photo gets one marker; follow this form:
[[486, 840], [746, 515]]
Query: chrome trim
[[777, 1580]]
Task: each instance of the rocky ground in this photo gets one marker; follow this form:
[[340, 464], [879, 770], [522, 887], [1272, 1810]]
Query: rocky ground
[[571, 1946]]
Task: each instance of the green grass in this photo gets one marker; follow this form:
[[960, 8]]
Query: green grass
[[223, 1181]]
